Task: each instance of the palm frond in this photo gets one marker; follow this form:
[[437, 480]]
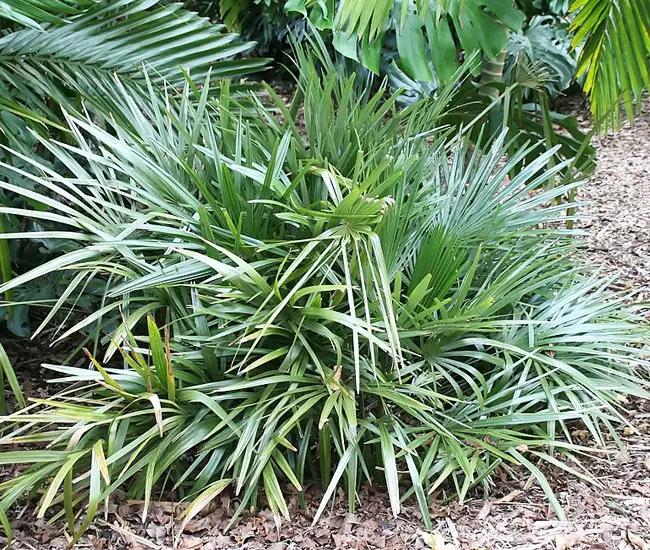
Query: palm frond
[[614, 58], [33, 13], [83, 54]]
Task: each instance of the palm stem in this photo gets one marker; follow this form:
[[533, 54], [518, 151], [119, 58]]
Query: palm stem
[[491, 72]]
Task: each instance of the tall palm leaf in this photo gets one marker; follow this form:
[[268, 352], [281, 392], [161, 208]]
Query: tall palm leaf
[[616, 53]]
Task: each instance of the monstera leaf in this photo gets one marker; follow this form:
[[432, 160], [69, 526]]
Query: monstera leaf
[[545, 42], [425, 36]]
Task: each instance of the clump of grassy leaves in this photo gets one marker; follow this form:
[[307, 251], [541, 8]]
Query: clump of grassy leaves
[[356, 285]]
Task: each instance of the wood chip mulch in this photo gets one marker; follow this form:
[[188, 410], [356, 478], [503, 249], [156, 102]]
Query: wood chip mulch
[[619, 210]]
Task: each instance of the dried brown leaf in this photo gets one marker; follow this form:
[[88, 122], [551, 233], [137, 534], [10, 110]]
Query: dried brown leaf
[[569, 540], [189, 542], [97, 544], [336, 522], [221, 540], [436, 541], [156, 531], [243, 533], [637, 541], [580, 434], [198, 525], [512, 495], [485, 511], [377, 541]]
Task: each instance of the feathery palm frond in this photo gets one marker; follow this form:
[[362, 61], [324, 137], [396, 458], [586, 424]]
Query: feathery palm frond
[[119, 37], [35, 12], [615, 56]]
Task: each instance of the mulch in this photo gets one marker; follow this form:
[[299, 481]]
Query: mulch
[[619, 206], [613, 515]]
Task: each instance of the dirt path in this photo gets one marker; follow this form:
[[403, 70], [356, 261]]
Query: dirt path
[[613, 516]]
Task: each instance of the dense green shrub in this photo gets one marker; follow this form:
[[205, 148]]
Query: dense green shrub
[[337, 279], [56, 55], [267, 22]]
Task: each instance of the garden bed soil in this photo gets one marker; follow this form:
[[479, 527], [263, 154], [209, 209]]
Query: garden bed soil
[[614, 515]]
